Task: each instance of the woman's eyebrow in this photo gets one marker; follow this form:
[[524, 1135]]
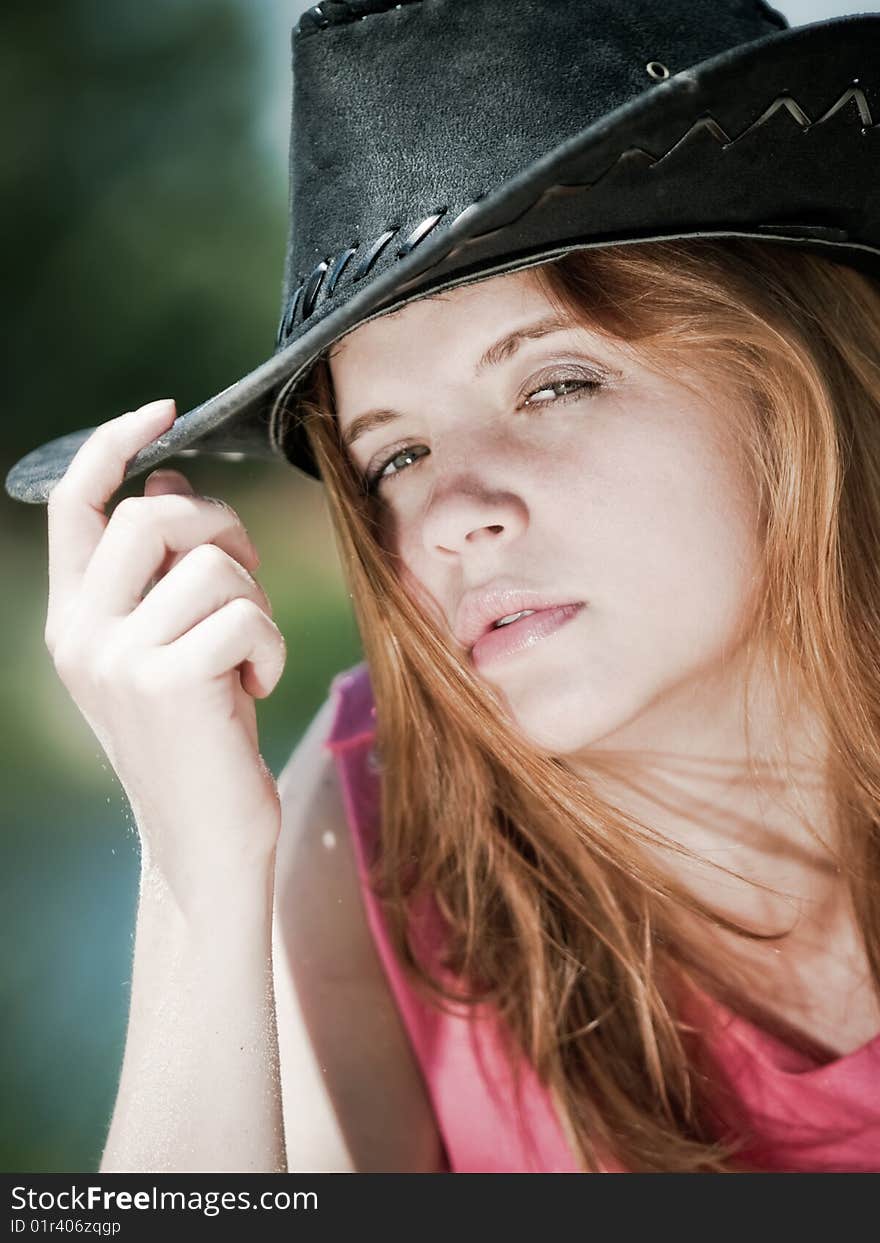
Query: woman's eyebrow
[[511, 342], [495, 354]]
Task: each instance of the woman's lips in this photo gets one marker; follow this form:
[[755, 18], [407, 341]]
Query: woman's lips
[[507, 640]]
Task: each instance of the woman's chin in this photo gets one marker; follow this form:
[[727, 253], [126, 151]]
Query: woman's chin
[[574, 719], [561, 734], [559, 704]]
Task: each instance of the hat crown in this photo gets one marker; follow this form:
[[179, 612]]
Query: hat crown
[[342, 12], [406, 113]]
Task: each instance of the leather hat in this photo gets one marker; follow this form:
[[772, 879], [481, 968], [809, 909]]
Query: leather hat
[[436, 142]]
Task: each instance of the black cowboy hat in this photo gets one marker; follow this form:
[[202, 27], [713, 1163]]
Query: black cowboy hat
[[434, 142]]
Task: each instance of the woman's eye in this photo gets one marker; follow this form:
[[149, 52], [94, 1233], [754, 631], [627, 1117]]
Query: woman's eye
[[550, 392], [558, 390], [373, 479]]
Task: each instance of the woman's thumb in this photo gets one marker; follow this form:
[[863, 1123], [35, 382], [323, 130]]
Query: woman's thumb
[[162, 482]]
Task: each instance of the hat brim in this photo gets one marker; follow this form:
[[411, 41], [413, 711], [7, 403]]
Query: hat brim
[[792, 166]]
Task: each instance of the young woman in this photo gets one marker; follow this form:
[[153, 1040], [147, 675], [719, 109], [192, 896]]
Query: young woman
[[579, 870], [655, 787]]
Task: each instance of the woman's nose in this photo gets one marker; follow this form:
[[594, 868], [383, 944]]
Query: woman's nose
[[462, 520]]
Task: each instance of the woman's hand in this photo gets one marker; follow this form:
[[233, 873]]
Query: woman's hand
[[166, 676]]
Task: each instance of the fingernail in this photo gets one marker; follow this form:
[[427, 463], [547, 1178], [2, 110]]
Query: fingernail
[[153, 409], [173, 479]]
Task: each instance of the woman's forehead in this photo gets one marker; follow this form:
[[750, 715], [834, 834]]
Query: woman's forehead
[[453, 315]]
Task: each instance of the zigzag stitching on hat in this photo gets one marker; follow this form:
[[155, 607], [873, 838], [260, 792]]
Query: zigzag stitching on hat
[[782, 101], [705, 124]]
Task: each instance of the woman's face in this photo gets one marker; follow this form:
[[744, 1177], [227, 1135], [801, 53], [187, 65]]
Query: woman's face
[[558, 463]]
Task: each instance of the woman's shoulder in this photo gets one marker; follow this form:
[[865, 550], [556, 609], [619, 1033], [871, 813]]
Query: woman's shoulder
[[319, 778], [336, 1010]]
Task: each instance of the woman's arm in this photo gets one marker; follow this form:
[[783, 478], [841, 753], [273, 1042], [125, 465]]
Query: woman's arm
[[200, 1089], [164, 639], [201, 1086]]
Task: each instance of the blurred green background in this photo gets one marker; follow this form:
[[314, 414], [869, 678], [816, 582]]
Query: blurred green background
[[145, 191]]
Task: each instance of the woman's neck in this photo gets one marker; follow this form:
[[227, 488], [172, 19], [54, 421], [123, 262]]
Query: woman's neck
[[774, 822], [739, 777]]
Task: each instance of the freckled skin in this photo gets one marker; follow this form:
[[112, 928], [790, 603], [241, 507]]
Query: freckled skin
[[632, 499]]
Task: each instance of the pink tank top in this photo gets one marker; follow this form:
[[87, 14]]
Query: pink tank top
[[805, 1116]]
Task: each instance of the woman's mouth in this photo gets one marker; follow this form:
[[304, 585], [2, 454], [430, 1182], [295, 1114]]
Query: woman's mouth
[[524, 632]]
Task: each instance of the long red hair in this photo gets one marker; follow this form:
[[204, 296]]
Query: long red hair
[[558, 914]]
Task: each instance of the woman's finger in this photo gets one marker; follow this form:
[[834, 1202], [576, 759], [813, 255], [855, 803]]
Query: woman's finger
[[164, 481], [238, 633], [139, 535], [160, 483], [202, 581], [76, 516]]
